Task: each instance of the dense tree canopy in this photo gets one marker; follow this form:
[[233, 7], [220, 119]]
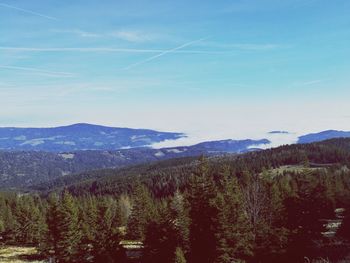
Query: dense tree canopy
[[270, 206]]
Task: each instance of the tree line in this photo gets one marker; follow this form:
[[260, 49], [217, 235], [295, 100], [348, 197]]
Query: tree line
[[166, 177], [241, 210], [219, 218]]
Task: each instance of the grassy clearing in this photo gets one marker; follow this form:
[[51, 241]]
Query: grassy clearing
[[293, 169], [13, 254]]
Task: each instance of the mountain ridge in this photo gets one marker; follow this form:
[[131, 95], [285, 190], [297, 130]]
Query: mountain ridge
[[23, 168], [80, 136], [323, 135], [321, 155]]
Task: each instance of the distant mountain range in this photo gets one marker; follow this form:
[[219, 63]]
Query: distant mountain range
[[80, 137], [30, 156], [324, 135]]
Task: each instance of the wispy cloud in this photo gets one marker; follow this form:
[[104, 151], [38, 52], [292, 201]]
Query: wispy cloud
[[164, 53], [28, 11], [131, 36], [78, 32], [75, 89], [49, 73], [256, 5], [255, 46], [80, 49], [310, 82], [106, 50], [124, 35], [244, 46]]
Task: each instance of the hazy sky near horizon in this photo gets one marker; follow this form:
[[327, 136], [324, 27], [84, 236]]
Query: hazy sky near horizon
[[214, 69]]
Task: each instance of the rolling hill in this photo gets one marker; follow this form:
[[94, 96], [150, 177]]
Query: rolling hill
[[25, 168], [80, 136], [168, 175], [324, 135]]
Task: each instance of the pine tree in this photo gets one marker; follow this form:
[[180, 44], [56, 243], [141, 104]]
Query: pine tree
[[178, 212], [88, 218], [10, 224], [234, 235], [220, 228], [179, 256], [160, 240], [30, 225], [68, 230], [125, 208], [50, 247], [304, 216], [106, 246], [166, 232], [271, 235], [202, 213], [344, 230], [2, 212], [255, 200], [2, 229], [141, 213]]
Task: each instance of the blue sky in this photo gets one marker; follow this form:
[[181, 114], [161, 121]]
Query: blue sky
[[214, 69]]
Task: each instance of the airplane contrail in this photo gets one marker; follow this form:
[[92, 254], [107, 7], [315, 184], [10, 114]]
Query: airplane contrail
[[164, 53], [28, 11], [57, 73], [103, 49]]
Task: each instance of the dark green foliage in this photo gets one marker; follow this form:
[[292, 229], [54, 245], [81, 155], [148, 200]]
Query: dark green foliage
[[105, 243], [227, 209], [68, 230], [263, 199], [306, 210], [52, 238], [344, 231], [88, 221], [168, 233], [160, 242], [30, 221], [164, 178], [61, 229], [203, 214], [22, 219], [179, 256], [142, 212], [8, 220], [41, 170], [234, 234], [178, 213]]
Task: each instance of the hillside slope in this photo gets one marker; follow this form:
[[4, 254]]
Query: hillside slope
[[22, 169], [80, 137], [169, 175], [324, 135]]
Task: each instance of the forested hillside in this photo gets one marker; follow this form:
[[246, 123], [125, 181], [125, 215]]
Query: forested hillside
[[23, 169], [165, 177], [288, 204]]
